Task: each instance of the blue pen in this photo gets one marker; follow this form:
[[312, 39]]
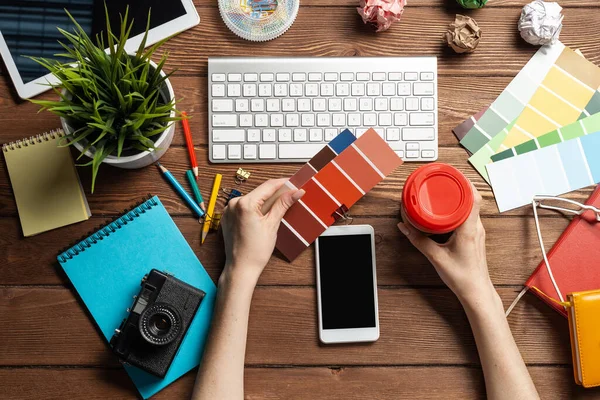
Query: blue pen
[[179, 189]]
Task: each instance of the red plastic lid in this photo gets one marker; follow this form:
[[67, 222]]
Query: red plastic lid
[[437, 198]]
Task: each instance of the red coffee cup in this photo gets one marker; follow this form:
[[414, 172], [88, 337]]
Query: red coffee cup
[[437, 198]]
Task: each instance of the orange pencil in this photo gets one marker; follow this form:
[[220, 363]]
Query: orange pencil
[[190, 144]]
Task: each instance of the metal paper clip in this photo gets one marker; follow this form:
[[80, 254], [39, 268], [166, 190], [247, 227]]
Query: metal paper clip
[[215, 221], [342, 214], [241, 176], [231, 194]]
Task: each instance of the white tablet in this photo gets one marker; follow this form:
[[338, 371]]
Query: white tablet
[[28, 28]]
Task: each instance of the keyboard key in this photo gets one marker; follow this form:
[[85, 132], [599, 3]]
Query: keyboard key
[[373, 89], [392, 134], [234, 77], [334, 104], [268, 135], [412, 146], [298, 77], [300, 135], [385, 119], [292, 120], [404, 89], [251, 77], [358, 89], [350, 105], [400, 153], [400, 119], [423, 89], [426, 76], [421, 119], [234, 151], [396, 145], [218, 90], [331, 76], [276, 120], [326, 89], [342, 89], [261, 120], [308, 119], [281, 89], [296, 89], [379, 76], [242, 105], [339, 119], [347, 76], [323, 119], [427, 104], [381, 104], [272, 105], [224, 120], [267, 151], [218, 152], [283, 77], [288, 105], [249, 90], [360, 131], [285, 135], [365, 104], [395, 76], [411, 76], [311, 89], [412, 104], [370, 119], [304, 105], [234, 90], [249, 152], [396, 104], [315, 135], [246, 120], [265, 90], [228, 135], [315, 76], [257, 105], [354, 119], [254, 135], [218, 77], [412, 154], [428, 153], [267, 77], [299, 151], [222, 105], [319, 105], [418, 134], [363, 76], [330, 133], [389, 89], [380, 132]]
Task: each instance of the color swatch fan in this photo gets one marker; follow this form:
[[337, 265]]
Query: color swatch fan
[[334, 179]]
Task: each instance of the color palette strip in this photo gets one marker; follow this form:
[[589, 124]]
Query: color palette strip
[[483, 156], [560, 99], [461, 130], [513, 98], [577, 129], [333, 189], [552, 170]]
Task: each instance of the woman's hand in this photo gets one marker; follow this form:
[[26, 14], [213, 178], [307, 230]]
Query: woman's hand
[[461, 262], [248, 234]]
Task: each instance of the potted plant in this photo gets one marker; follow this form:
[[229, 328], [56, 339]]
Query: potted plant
[[115, 108]]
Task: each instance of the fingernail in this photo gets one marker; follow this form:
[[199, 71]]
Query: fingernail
[[298, 194], [403, 228]]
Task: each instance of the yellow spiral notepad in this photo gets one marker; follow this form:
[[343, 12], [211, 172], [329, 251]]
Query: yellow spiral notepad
[[45, 183]]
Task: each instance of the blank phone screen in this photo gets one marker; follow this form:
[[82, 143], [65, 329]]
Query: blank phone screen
[[346, 273]]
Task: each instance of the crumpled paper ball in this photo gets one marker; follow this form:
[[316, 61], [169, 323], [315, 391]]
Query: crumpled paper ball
[[463, 34], [471, 3], [382, 13], [540, 22]]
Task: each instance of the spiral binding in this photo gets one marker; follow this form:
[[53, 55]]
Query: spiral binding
[[44, 137], [106, 230]]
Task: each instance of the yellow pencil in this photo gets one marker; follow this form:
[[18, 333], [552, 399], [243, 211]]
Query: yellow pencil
[[211, 205]]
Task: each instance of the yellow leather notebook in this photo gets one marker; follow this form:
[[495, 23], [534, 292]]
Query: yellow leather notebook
[[584, 327], [45, 183]]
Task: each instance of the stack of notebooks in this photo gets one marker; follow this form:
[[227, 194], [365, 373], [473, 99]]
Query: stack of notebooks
[[542, 134]]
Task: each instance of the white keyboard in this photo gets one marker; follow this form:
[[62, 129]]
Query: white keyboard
[[285, 109]]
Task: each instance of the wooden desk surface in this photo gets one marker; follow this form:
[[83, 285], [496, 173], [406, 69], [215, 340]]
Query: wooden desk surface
[[49, 348]]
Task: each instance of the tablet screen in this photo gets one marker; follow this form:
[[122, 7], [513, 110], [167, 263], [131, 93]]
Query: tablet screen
[[29, 26]]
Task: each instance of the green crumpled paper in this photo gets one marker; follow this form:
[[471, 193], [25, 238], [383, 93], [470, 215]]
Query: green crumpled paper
[[472, 3]]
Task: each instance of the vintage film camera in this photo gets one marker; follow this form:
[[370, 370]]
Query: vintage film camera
[[150, 336]]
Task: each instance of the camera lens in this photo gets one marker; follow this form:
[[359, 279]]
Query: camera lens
[[160, 324]]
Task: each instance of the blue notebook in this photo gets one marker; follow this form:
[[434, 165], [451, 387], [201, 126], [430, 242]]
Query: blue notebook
[[106, 269]]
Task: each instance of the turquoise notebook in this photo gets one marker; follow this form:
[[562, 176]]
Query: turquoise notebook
[[106, 270]]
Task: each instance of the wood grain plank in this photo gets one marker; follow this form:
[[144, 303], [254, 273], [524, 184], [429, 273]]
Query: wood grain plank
[[43, 326], [118, 189], [512, 248], [419, 383], [450, 5]]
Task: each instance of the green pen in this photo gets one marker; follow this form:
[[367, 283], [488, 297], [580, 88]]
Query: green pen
[[195, 189]]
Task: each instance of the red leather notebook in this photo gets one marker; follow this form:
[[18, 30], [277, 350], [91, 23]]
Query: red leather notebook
[[574, 259]]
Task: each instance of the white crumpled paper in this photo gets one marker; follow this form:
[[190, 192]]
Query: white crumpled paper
[[540, 22], [382, 13]]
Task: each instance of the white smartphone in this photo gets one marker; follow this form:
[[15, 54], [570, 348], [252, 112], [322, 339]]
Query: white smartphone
[[347, 285]]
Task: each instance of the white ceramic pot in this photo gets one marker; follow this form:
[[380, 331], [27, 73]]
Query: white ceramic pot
[[141, 159]]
